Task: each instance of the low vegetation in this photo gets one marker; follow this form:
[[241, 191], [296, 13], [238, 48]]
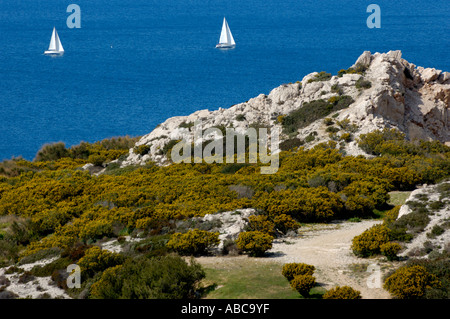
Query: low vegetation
[[344, 292], [321, 76], [51, 207], [312, 111]]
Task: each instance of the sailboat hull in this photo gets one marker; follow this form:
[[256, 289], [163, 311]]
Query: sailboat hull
[[55, 53], [225, 46]]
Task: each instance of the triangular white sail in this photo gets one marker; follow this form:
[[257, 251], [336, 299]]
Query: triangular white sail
[[55, 46], [226, 38], [59, 46], [229, 35], [52, 46]]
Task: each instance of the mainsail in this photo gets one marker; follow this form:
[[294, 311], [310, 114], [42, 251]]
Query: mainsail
[[226, 38]]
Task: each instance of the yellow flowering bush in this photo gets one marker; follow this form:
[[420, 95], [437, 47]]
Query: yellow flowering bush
[[342, 292], [194, 242], [66, 204], [291, 270], [96, 259], [303, 284], [370, 241], [410, 282], [390, 250], [255, 243]]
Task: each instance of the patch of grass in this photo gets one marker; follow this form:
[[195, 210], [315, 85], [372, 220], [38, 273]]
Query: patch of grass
[[397, 198], [262, 281]]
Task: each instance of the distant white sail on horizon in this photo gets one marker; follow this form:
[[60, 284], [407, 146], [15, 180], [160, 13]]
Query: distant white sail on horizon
[[226, 38], [55, 47]]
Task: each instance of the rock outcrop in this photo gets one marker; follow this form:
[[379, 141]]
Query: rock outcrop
[[436, 234], [400, 95]]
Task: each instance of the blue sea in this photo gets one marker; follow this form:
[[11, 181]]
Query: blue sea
[[135, 63]]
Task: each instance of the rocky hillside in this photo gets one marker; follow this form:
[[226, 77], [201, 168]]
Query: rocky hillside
[[379, 90], [428, 208]]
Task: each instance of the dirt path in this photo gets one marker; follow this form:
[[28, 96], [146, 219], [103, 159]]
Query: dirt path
[[327, 247]]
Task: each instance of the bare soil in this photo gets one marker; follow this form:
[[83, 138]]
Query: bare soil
[[328, 248]]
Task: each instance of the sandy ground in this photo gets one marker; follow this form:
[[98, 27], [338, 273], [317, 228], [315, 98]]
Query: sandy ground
[[327, 247], [36, 287]]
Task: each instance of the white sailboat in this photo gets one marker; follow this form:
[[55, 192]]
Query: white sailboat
[[226, 40], [55, 47]]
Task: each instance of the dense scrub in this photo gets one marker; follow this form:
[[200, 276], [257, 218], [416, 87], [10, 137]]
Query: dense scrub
[[52, 205], [311, 185], [411, 282], [167, 277]]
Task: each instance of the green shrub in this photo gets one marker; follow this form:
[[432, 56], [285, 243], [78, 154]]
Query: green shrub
[[390, 250], [291, 270], [194, 242], [370, 241], [52, 152], [141, 149], [358, 69], [332, 129], [166, 277], [335, 88], [303, 284], [168, 147], [311, 137], [96, 259], [328, 121], [374, 142], [439, 266], [407, 226], [290, 144], [284, 223], [435, 231], [312, 111], [321, 76], [339, 102], [344, 292], [255, 243], [346, 137], [48, 269], [96, 159], [361, 83], [410, 282]]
